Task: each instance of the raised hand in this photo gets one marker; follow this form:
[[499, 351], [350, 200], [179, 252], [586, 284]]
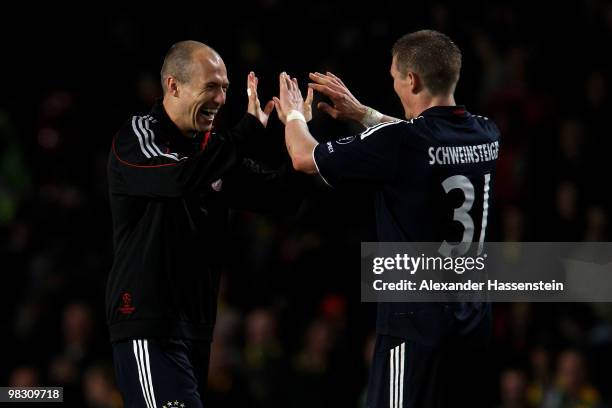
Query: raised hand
[[292, 97], [345, 105], [254, 107]]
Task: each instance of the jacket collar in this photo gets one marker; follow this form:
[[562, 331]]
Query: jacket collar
[[171, 131], [458, 111]]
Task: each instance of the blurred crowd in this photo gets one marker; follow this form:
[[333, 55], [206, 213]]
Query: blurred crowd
[[291, 330]]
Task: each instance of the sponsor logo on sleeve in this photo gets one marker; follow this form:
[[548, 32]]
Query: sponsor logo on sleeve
[[345, 140]]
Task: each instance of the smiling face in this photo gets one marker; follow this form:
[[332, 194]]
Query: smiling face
[[193, 103]]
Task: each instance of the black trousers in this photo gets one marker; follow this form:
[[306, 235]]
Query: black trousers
[[161, 373], [455, 372]]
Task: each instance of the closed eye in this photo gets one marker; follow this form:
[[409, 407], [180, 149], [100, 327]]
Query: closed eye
[[212, 86]]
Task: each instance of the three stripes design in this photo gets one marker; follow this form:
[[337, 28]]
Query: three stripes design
[[141, 352], [396, 376], [146, 139]]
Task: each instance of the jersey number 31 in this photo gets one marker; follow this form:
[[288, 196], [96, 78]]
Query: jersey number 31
[[461, 214]]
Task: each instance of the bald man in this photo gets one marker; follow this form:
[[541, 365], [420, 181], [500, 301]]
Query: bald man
[[171, 183]]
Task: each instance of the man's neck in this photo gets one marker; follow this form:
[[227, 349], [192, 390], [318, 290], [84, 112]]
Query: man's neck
[[431, 101]]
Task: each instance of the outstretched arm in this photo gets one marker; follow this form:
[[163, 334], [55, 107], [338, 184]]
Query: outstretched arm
[[345, 105], [299, 141]]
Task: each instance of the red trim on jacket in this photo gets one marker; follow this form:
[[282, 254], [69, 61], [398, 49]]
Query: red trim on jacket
[[138, 165]]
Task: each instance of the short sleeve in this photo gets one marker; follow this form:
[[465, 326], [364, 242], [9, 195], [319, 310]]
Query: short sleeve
[[370, 157]]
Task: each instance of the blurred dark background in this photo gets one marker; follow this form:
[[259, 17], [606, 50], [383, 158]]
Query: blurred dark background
[[291, 330]]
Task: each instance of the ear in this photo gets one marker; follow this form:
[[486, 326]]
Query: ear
[[414, 82], [172, 86]]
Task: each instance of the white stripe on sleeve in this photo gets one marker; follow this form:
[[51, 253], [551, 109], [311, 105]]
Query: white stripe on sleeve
[[139, 136], [147, 129], [373, 129], [145, 136], [317, 166]]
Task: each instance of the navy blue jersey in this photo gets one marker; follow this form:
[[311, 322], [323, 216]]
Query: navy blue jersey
[[433, 177]]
